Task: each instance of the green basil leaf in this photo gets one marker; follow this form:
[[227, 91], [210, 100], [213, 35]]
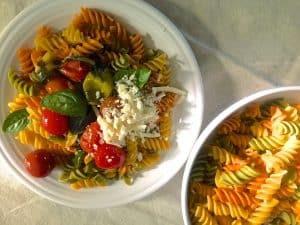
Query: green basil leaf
[[123, 74], [142, 76], [16, 121], [66, 102], [78, 158], [78, 124]]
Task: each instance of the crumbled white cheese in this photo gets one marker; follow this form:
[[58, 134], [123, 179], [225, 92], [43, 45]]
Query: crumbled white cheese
[[136, 114]]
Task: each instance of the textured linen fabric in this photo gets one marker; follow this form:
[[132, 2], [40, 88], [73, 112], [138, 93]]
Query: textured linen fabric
[[241, 46]]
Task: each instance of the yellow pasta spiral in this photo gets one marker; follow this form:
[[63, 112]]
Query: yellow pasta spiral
[[38, 142], [286, 127], [17, 103], [73, 35], [222, 209], [157, 63], [165, 125], [156, 144], [88, 47], [54, 44], [36, 127], [222, 155], [87, 183], [262, 213], [149, 160], [132, 151], [271, 186], [257, 130], [204, 217], [284, 157], [35, 113], [291, 113]]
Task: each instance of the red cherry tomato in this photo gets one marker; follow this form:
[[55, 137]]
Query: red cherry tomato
[[39, 163], [109, 157], [75, 70], [56, 84], [91, 138], [54, 122]]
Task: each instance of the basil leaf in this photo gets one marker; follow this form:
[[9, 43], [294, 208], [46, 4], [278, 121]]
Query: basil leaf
[[16, 121], [66, 102], [123, 74], [78, 124], [141, 76]]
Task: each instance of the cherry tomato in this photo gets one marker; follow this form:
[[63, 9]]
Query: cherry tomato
[[75, 70], [54, 122], [109, 156], [39, 163], [91, 138], [108, 103], [56, 84]]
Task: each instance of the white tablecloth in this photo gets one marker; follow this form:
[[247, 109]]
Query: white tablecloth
[[241, 46]]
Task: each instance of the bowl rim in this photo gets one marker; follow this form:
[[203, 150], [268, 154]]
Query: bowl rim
[[196, 149], [154, 187]]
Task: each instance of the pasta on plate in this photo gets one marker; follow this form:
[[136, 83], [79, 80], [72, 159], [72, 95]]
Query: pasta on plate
[[96, 98], [255, 180]]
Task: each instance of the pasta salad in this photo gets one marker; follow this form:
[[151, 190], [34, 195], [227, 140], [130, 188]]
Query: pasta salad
[[249, 173], [93, 99]]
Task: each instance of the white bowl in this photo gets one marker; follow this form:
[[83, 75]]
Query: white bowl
[[291, 94], [160, 33]]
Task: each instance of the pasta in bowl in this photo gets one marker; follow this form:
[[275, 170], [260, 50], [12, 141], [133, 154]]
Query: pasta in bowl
[[244, 168], [98, 98]]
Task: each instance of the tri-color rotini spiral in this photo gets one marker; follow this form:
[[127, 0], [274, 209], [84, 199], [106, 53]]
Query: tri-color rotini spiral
[[204, 217], [271, 186], [22, 85], [221, 209], [268, 143], [262, 212], [284, 157], [244, 174]]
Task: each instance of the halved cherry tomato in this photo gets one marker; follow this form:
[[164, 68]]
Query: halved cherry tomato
[[54, 122], [56, 84], [39, 163], [91, 138], [109, 156], [75, 70]]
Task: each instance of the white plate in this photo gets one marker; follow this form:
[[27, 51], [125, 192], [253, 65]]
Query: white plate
[[290, 94], [160, 33]]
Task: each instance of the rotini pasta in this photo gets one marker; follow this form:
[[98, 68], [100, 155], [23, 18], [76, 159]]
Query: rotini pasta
[[257, 176], [95, 95]]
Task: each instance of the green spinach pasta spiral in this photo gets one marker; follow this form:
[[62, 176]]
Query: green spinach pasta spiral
[[23, 86]]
